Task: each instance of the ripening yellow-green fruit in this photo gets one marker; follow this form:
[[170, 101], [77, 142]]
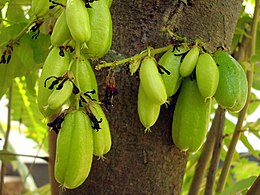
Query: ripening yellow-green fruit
[[74, 150], [189, 61], [109, 3], [101, 138], [40, 7], [85, 76], [148, 111], [191, 117], [78, 20], [61, 32], [207, 75], [54, 65], [232, 89], [101, 30], [152, 81], [171, 61], [59, 97]]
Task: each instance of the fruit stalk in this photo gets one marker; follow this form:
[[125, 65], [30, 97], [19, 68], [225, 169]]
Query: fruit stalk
[[141, 55]]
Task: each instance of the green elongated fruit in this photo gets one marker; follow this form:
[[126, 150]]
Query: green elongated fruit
[[74, 150], [102, 138], [233, 87], [148, 111], [189, 61], [191, 117], [40, 7], [207, 75], [85, 77], [54, 65], [61, 32], [109, 3], [172, 63], [101, 30], [59, 97], [152, 81], [78, 20]]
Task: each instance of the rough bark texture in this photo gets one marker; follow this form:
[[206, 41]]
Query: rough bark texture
[[149, 163]]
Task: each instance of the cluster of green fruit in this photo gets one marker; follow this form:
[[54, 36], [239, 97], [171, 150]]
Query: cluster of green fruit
[[85, 21], [200, 77], [68, 86]]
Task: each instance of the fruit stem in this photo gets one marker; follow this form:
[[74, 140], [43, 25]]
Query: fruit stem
[[242, 114], [140, 55]]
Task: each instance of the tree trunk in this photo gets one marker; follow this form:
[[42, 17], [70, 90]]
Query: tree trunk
[[149, 163]]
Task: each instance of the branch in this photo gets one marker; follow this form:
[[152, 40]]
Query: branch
[[140, 55], [211, 178]]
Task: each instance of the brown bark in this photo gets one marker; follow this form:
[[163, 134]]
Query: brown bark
[[149, 163]]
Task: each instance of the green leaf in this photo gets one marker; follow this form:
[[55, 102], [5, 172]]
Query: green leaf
[[10, 32], [24, 52], [7, 156], [15, 13], [41, 48], [31, 79], [255, 58], [254, 103], [18, 2], [253, 126], [25, 110], [239, 186], [7, 73], [257, 44], [229, 127], [250, 168], [248, 145], [256, 133], [256, 82]]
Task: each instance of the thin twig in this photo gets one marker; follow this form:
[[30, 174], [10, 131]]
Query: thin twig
[[205, 156], [46, 158], [211, 178], [35, 157], [141, 55]]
